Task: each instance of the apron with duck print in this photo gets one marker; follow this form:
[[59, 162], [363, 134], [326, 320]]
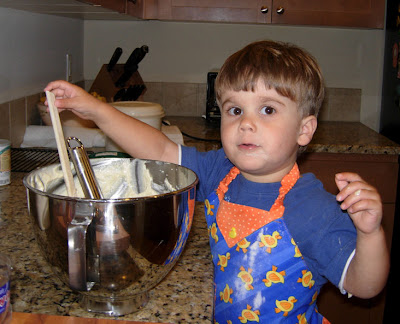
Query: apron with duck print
[[259, 272]]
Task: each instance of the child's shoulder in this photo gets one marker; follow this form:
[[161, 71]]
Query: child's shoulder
[[209, 161], [308, 182], [211, 167], [310, 190], [308, 200]]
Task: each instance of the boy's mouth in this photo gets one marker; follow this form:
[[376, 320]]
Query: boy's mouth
[[248, 146]]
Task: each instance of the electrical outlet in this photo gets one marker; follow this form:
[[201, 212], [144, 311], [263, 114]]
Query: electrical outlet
[[68, 69]]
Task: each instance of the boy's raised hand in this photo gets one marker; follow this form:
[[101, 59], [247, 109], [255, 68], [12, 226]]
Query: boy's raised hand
[[361, 200], [72, 97], [368, 270]]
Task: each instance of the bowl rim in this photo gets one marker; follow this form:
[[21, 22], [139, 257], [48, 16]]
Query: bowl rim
[[112, 200]]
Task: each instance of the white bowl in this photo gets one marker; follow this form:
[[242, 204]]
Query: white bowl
[[148, 112], [67, 118]]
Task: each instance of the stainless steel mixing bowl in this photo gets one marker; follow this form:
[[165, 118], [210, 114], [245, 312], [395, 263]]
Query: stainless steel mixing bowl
[[113, 251]]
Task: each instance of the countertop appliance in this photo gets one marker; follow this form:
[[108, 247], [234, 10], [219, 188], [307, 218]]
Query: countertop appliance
[[212, 110]]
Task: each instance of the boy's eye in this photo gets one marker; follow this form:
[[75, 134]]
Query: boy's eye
[[267, 110], [235, 111]]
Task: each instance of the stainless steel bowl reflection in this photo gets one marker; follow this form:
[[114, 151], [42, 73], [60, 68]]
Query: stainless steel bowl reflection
[[113, 251]]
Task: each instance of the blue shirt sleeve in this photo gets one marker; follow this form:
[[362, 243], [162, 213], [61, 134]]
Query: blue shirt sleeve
[[211, 167], [324, 233]]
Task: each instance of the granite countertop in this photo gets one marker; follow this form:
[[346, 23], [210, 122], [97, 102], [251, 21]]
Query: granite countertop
[[186, 294], [330, 137]]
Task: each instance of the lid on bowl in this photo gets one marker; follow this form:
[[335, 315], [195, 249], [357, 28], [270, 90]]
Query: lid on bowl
[[139, 108]]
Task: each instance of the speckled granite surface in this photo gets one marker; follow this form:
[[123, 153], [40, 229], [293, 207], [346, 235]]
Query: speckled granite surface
[[350, 137], [330, 137], [184, 296]]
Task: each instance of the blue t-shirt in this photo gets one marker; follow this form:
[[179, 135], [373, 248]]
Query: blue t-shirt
[[324, 233]]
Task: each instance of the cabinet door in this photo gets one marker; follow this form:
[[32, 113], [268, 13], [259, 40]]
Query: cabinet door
[[145, 9], [349, 13], [238, 11], [116, 5]]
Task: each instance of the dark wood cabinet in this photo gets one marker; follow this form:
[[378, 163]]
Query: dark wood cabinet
[[115, 5], [234, 11], [380, 170], [351, 13], [144, 9]]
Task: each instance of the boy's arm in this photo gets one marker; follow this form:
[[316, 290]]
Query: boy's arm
[[135, 137], [368, 271]]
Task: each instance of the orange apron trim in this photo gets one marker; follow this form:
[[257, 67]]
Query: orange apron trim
[[223, 185], [237, 221]]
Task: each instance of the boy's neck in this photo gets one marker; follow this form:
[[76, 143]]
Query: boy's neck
[[271, 177]]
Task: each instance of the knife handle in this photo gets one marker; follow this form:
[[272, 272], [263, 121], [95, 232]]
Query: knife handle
[[114, 59], [134, 59], [131, 65]]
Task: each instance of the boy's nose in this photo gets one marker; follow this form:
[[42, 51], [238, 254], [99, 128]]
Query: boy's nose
[[247, 124]]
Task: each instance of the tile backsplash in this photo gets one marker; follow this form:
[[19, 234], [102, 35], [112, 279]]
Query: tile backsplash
[[189, 99], [16, 115], [341, 105], [177, 99]]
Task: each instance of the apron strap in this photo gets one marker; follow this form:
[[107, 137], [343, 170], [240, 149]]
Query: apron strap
[[223, 185], [238, 221], [287, 184]]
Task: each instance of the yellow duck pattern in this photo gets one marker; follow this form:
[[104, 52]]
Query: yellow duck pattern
[[262, 278], [249, 281]]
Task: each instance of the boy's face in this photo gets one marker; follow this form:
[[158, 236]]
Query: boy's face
[[261, 132]]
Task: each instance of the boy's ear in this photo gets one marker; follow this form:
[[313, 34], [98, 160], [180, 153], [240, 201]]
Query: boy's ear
[[307, 129]]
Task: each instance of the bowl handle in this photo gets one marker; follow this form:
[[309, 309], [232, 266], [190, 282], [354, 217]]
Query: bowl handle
[[77, 230]]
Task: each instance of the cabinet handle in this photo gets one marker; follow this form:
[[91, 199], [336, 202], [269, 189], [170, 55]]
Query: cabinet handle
[[280, 10], [264, 9]]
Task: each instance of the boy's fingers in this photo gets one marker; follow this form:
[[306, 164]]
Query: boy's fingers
[[344, 178], [348, 177], [54, 85], [348, 188], [350, 183], [362, 194]]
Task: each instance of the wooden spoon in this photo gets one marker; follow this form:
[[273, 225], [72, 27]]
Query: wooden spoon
[[61, 146]]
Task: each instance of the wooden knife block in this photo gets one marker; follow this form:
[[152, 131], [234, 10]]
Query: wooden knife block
[[104, 84]]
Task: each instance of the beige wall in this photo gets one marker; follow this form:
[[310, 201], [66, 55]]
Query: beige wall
[[183, 53], [33, 51]]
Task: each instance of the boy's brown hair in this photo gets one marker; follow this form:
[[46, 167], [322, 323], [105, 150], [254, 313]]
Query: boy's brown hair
[[288, 69]]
